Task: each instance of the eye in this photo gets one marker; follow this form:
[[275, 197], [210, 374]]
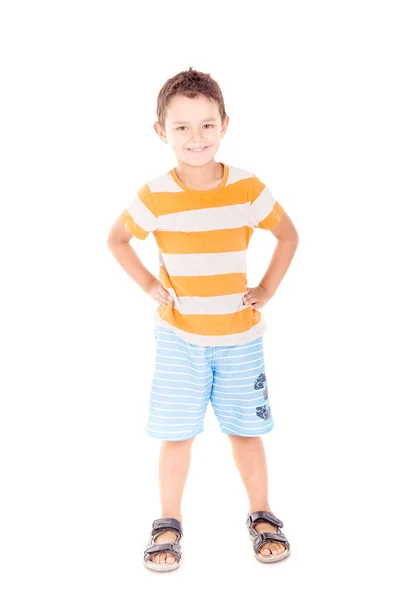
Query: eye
[[178, 128], [209, 125]]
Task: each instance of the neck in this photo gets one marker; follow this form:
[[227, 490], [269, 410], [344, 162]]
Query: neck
[[199, 177]]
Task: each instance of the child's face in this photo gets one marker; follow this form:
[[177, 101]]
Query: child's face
[[193, 123]]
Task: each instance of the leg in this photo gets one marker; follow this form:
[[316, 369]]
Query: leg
[[249, 456], [174, 463]]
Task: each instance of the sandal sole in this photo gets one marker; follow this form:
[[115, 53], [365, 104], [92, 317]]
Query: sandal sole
[[153, 566]]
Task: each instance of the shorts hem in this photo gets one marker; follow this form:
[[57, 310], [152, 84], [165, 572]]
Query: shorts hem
[[180, 439], [230, 432]]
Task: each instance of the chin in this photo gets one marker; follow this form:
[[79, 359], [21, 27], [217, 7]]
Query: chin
[[196, 161]]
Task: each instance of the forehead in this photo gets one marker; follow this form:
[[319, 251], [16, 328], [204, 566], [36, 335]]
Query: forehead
[[180, 108]]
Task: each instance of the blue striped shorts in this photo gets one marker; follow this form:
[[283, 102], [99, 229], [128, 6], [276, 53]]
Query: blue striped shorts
[[187, 376]]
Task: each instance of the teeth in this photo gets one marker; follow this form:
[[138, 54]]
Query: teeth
[[197, 149]]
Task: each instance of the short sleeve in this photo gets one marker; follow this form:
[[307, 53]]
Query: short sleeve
[[265, 211], [140, 217]]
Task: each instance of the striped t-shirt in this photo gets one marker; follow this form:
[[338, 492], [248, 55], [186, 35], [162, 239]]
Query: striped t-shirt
[[202, 236]]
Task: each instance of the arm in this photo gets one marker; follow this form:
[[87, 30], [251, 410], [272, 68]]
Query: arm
[[288, 240], [119, 246]]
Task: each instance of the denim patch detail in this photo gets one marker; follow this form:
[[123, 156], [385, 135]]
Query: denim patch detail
[[258, 384], [263, 412]]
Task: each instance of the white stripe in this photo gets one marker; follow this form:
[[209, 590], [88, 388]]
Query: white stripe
[[245, 428], [176, 410], [208, 305], [164, 432], [236, 356], [187, 348], [237, 412], [190, 358], [241, 393], [208, 263], [216, 385], [236, 371], [179, 365], [250, 378], [217, 400], [258, 343], [245, 422], [237, 174], [179, 373], [176, 397], [216, 404], [182, 403], [170, 387], [166, 424], [165, 417], [206, 219], [243, 362], [181, 380], [233, 431], [164, 183], [142, 215], [261, 207]]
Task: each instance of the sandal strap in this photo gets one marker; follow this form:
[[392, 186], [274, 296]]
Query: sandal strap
[[262, 515], [266, 536], [167, 524], [172, 547]]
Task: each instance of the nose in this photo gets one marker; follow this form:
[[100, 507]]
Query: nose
[[197, 134]]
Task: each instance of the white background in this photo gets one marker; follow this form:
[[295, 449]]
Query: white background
[[312, 91]]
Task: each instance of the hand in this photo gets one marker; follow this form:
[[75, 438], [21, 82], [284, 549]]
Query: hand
[[257, 297], [158, 292]]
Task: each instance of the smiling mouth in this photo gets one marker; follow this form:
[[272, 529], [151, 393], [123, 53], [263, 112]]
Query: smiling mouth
[[198, 150]]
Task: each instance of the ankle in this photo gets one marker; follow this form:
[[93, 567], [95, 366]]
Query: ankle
[[171, 515], [258, 508]]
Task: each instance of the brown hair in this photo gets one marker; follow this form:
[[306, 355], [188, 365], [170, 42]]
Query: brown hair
[[189, 83]]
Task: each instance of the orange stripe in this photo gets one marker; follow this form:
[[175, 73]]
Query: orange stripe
[[255, 188], [132, 226], [204, 285], [195, 242], [171, 202], [237, 322], [273, 218]]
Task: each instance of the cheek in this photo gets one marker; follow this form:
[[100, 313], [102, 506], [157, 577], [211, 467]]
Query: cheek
[[214, 135]]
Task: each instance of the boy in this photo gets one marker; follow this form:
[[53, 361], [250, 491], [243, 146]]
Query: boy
[[208, 326]]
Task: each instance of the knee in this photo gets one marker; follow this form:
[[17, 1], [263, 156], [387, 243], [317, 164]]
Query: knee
[[179, 443], [243, 439]]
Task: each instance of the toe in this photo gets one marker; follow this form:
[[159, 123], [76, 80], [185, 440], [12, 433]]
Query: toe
[[273, 549], [170, 558], [162, 557], [265, 550]]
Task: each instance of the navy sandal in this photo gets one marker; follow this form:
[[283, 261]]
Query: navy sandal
[[259, 539], [159, 526]]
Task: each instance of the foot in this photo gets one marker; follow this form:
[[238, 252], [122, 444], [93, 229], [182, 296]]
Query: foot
[[164, 557], [274, 548]]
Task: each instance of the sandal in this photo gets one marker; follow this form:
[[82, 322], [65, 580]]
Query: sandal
[[259, 539], [159, 526]]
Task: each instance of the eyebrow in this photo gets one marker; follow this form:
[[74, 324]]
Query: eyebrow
[[178, 122]]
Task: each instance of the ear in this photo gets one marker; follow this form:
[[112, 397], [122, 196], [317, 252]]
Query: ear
[[224, 126], [160, 132]]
